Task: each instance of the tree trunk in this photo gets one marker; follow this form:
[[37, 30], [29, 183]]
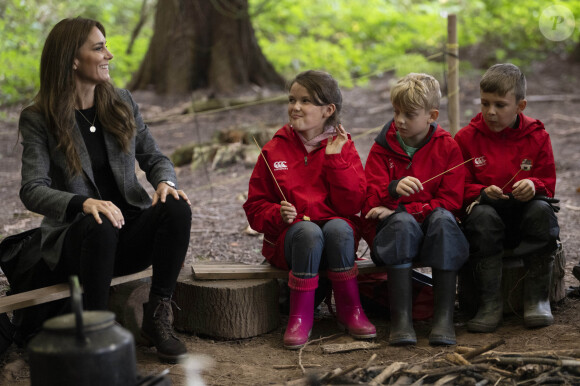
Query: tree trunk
[[203, 44]]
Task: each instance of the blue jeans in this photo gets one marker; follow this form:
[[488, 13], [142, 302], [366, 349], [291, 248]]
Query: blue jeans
[[308, 247]]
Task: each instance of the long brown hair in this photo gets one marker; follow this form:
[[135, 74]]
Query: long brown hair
[[56, 97]]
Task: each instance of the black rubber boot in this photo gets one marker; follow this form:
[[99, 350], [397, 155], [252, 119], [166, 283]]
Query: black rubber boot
[[444, 288], [401, 303], [490, 310], [537, 282], [157, 329]]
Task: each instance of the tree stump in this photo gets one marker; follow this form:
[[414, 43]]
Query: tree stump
[[126, 301], [227, 309]]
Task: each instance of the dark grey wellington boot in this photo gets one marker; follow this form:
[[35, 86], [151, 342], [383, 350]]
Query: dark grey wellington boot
[[400, 289], [444, 288], [537, 282], [490, 310]]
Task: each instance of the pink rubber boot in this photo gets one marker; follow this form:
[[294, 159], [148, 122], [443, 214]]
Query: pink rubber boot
[[349, 311], [301, 314]]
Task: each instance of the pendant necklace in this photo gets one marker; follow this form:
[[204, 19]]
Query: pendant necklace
[[92, 128]]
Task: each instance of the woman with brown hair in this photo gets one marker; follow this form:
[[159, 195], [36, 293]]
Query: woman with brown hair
[[80, 138]]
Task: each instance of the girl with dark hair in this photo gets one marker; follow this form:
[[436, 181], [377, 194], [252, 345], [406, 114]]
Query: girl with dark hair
[[305, 200]]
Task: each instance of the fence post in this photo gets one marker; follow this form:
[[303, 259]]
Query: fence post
[[452, 74]]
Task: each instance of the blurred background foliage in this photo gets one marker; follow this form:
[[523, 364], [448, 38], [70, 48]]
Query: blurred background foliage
[[353, 40]]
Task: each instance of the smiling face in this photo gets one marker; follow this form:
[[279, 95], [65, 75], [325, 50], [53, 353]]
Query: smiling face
[[91, 65], [500, 112], [413, 126], [305, 117]]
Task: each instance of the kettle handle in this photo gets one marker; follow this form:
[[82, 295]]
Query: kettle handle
[[77, 306]]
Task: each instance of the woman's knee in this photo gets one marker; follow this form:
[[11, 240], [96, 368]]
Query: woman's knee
[[176, 211], [91, 229]]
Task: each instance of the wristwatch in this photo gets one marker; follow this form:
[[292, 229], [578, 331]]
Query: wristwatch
[[170, 183]]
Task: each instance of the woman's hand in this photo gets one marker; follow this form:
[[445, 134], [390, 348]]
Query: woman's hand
[[524, 190], [110, 210], [409, 185], [379, 213], [288, 212], [495, 193], [163, 190], [334, 146]]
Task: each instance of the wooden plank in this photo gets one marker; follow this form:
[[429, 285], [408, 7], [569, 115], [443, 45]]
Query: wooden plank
[[224, 271], [55, 292]]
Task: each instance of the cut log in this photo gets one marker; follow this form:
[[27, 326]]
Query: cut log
[[126, 301], [227, 309]]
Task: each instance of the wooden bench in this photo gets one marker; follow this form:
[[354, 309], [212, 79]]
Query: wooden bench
[[55, 292], [229, 271], [201, 271]]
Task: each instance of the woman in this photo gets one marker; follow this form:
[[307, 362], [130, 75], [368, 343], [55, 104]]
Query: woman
[[80, 140], [307, 207]]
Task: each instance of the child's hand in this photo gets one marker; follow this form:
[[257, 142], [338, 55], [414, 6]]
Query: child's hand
[[288, 212], [379, 213], [408, 186], [335, 146], [495, 193], [524, 190]]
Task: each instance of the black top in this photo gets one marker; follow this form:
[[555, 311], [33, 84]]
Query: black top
[[103, 175]]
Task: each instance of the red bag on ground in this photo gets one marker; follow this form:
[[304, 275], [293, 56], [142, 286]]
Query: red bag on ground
[[374, 293]]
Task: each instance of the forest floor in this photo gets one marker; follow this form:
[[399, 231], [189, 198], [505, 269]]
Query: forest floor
[[219, 222]]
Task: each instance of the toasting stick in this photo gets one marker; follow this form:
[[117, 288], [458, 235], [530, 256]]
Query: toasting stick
[[304, 217], [448, 170]]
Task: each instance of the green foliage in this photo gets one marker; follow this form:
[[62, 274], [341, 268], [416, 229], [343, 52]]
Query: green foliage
[[24, 24], [351, 39]]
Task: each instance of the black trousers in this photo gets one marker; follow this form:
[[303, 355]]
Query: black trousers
[[157, 236], [528, 227]]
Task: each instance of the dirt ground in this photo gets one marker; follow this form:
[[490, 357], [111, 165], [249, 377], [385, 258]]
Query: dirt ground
[[217, 232]]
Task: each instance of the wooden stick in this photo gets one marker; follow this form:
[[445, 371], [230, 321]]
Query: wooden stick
[[511, 179], [448, 170], [265, 160], [481, 350]]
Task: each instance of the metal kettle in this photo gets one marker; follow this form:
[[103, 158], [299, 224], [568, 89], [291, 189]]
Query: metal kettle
[[82, 348]]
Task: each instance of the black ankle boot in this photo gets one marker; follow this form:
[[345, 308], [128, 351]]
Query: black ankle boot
[[157, 329]]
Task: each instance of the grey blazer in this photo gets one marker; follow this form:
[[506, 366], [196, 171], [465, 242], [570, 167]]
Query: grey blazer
[[46, 188]]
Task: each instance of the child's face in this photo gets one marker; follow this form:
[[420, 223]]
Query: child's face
[[413, 126], [305, 117], [500, 112]]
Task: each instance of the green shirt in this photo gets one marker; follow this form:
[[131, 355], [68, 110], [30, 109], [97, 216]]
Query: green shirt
[[410, 150]]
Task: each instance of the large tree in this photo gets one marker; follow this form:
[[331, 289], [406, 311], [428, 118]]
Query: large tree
[[204, 44]]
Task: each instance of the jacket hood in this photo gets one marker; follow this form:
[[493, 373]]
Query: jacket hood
[[525, 127], [387, 138]]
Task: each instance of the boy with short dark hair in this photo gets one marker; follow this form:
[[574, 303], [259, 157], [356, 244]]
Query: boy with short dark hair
[[414, 186], [508, 190]]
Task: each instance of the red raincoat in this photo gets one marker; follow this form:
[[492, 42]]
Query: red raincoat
[[499, 156], [320, 186], [388, 162]]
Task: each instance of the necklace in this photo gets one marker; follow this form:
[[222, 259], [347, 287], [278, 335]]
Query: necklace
[[92, 128]]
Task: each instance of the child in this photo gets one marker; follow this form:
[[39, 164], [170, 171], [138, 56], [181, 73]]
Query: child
[[412, 221], [305, 193], [507, 192]]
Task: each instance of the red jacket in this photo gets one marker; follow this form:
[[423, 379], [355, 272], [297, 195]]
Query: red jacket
[[499, 156], [320, 186], [387, 162]]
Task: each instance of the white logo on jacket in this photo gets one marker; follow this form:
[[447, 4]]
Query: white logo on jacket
[[280, 165], [480, 161]]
